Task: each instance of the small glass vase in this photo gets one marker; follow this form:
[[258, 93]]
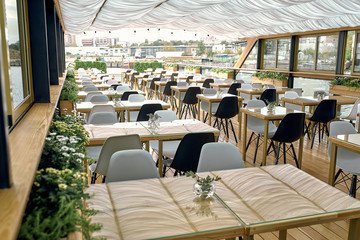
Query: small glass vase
[[204, 191], [270, 108]]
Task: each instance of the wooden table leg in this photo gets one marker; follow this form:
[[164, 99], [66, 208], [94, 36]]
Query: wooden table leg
[[172, 100], [266, 133], [198, 109], [244, 138], [354, 229], [250, 237], [300, 150], [282, 234], [332, 166], [179, 102], [160, 156], [123, 116], [209, 114]]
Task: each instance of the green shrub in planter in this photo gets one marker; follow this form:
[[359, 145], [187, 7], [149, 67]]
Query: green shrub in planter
[[69, 91], [142, 66], [346, 82], [89, 64], [272, 75]]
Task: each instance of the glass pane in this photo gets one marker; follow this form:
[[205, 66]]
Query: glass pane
[[348, 52], [327, 51], [306, 53], [251, 59], [12, 23], [283, 55], [357, 54], [269, 54]]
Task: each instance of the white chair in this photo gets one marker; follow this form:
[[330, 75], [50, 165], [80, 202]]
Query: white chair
[[219, 156], [292, 95], [131, 165], [102, 118], [90, 94], [244, 95], [347, 161], [121, 89], [86, 82], [104, 153], [169, 147], [99, 98], [353, 113], [205, 105], [257, 126], [101, 108], [256, 85], [111, 81], [90, 88], [134, 98]]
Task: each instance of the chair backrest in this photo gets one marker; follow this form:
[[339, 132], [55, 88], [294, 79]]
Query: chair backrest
[[354, 109], [188, 152], [269, 95], [167, 89], [90, 94], [111, 81], [136, 98], [181, 84], [126, 95], [291, 128], [189, 78], [219, 156], [173, 75], [291, 94], [102, 108], [90, 88], [99, 98], [228, 107], [87, 83], [325, 111], [209, 91], [146, 109], [207, 82], [166, 115], [123, 88], [239, 81], [114, 86], [269, 86], [131, 165], [256, 104], [253, 122], [256, 85], [102, 118], [152, 84], [190, 95], [246, 86], [112, 145], [233, 87]]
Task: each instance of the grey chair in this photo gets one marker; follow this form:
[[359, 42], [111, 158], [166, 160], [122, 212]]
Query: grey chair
[[102, 118], [99, 98], [90, 88]]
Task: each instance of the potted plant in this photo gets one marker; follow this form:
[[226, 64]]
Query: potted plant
[[345, 86], [192, 69], [172, 67], [204, 187], [277, 79], [68, 96], [222, 73]]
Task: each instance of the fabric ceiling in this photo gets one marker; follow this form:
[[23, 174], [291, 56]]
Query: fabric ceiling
[[233, 18]]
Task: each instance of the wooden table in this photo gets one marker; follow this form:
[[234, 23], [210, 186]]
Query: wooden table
[[220, 85], [196, 81], [216, 98], [262, 113], [247, 201], [101, 87], [110, 94], [259, 91], [313, 102], [348, 141], [168, 131], [85, 107], [179, 90], [158, 85]]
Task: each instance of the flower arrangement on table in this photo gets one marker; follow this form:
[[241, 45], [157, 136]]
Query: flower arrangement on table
[[204, 186]]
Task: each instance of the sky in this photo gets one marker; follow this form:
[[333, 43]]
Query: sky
[[128, 35]]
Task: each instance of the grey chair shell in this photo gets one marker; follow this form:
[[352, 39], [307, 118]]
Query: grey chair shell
[[99, 98], [90, 94], [102, 118], [90, 88], [131, 165]]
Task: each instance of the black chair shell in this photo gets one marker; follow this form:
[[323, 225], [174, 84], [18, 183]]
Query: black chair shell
[[233, 87], [269, 95], [146, 109]]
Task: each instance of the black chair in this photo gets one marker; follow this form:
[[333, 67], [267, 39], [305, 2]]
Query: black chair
[[269, 95], [126, 95], [290, 129], [207, 82], [187, 155], [228, 108], [324, 113], [190, 101], [146, 109], [173, 76], [167, 90], [189, 78], [141, 84], [132, 79], [114, 86], [152, 87], [233, 87]]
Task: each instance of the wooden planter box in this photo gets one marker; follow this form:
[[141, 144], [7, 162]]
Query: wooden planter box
[[344, 90], [275, 82], [171, 68], [223, 75], [193, 70], [68, 105]]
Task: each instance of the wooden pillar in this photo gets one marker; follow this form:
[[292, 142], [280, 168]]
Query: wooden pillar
[[292, 61], [340, 58], [52, 42]]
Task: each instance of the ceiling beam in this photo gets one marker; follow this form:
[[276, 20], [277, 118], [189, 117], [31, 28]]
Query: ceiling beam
[[98, 12], [59, 13]]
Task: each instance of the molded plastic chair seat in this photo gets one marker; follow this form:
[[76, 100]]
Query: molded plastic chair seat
[[102, 118], [99, 98], [353, 113], [292, 95], [90, 88], [219, 156], [123, 88], [90, 94], [101, 108], [126, 95], [206, 83], [190, 101], [205, 105], [233, 87], [146, 109], [131, 165]]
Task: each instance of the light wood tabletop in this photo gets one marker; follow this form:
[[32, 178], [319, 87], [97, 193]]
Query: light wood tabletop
[[179, 90], [259, 91], [247, 201], [110, 94], [262, 113]]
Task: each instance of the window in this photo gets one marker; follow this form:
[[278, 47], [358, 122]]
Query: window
[[269, 54], [276, 53], [19, 75], [349, 52], [251, 59], [317, 53], [357, 54]]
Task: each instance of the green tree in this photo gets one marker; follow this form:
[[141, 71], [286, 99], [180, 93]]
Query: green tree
[[224, 42], [201, 49]]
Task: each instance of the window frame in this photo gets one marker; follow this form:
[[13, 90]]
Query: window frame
[[354, 52], [276, 53]]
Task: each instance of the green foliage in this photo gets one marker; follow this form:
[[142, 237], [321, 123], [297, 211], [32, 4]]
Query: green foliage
[[70, 74], [221, 70], [272, 75], [346, 82], [202, 180], [202, 48], [171, 65], [69, 91], [142, 66], [191, 68], [89, 64]]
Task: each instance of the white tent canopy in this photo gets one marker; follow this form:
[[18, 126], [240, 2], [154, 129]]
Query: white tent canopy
[[234, 18]]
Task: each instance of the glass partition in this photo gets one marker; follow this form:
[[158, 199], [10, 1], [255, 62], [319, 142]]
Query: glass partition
[[306, 53], [326, 52], [283, 53], [251, 59], [269, 54], [349, 52], [357, 54]]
